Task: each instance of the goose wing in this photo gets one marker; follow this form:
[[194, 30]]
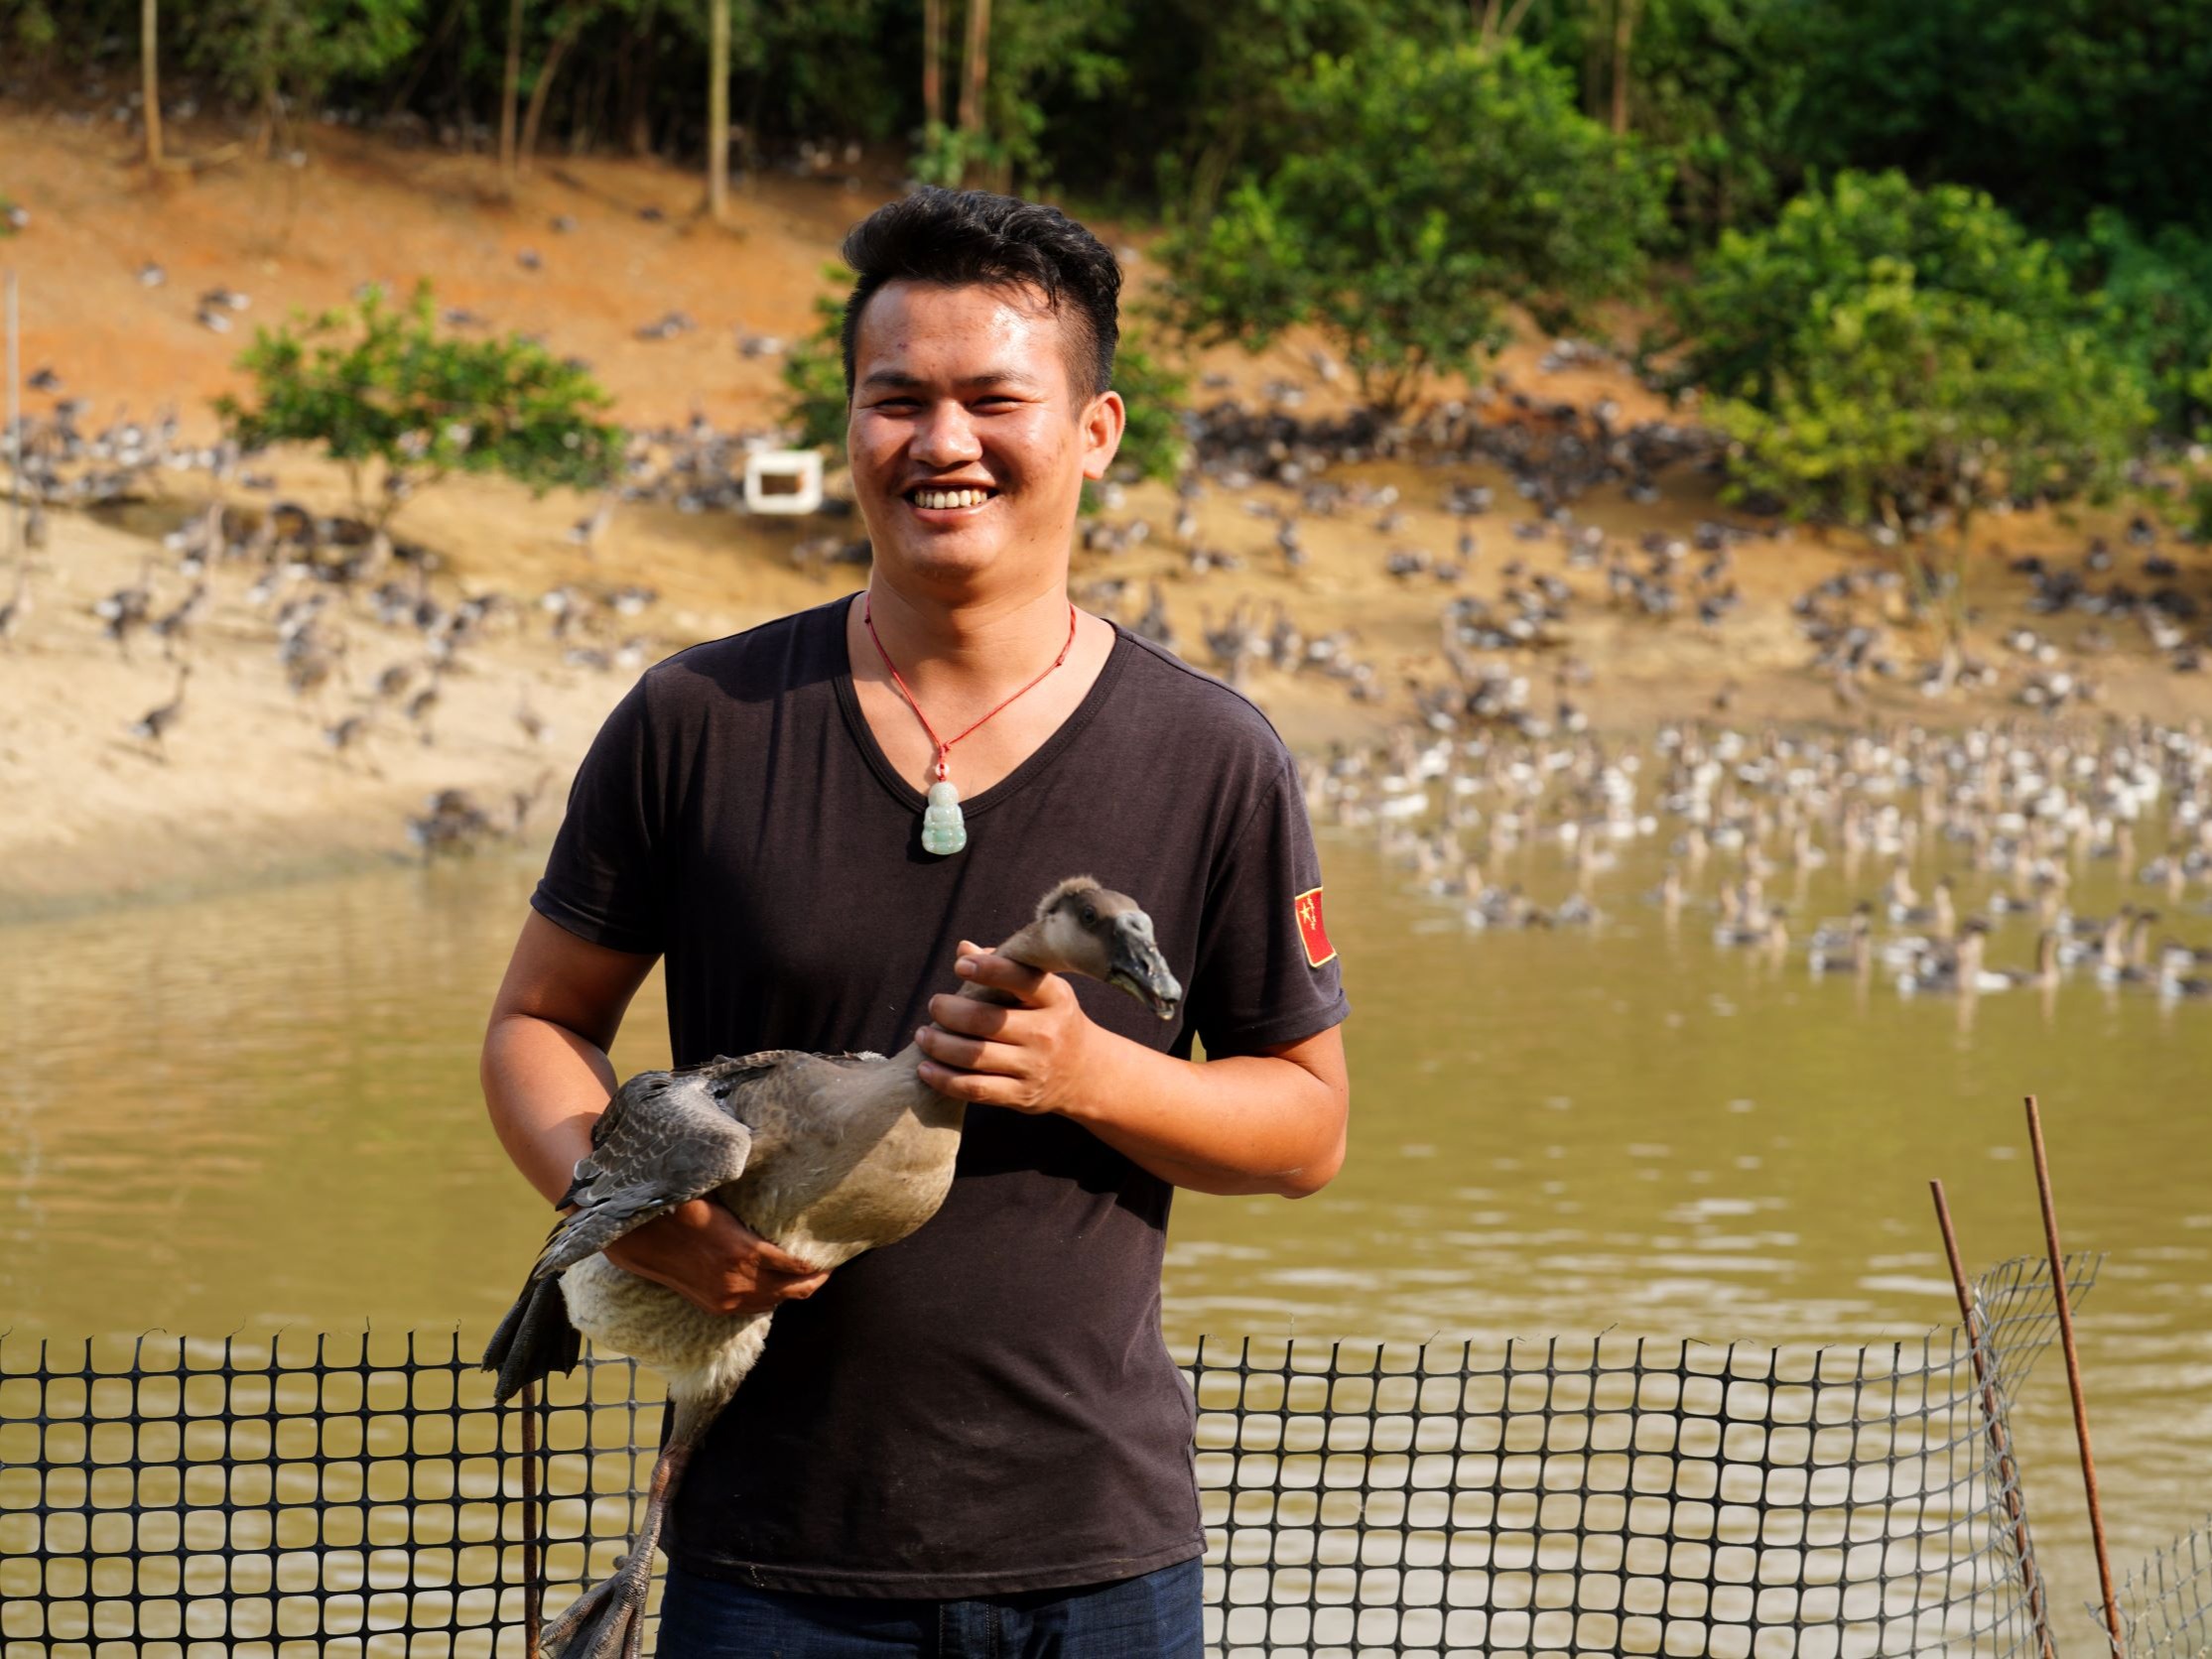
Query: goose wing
[[666, 1138]]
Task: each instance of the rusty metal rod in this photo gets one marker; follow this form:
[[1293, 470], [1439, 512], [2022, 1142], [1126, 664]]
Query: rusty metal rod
[[2008, 1472], [533, 1590], [2073, 1372]]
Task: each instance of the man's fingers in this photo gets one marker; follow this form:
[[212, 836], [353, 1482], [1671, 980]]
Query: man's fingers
[[968, 1017], [982, 1088], [987, 967], [970, 1053]]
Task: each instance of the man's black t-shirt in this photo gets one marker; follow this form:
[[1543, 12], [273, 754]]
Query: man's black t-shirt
[[987, 1406]]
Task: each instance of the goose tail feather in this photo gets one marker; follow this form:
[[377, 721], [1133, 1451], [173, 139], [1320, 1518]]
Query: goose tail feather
[[534, 1340]]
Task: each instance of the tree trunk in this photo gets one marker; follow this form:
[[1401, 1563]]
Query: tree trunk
[[718, 112], [539, 92], [978, 68], [149, 52], [933, 63], [1624, 31], [510, 89]]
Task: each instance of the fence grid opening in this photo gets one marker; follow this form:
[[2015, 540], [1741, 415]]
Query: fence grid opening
[[361, 1496]]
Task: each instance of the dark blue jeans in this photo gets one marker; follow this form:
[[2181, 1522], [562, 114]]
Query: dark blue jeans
[[1153, 1616]]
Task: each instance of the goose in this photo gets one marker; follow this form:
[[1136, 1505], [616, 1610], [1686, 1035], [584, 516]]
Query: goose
[[2123, 959], [825, 1155], [1958, 971], [1844, 950], [156, 721]]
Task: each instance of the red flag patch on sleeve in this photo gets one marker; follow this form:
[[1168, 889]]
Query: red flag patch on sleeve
[[1310, 931]]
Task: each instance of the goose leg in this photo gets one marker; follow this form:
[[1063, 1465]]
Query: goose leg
[[608, 1621]]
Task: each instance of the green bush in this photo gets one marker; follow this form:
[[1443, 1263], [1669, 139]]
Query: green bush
[[2157, 290], [1891, 353], [379, 386], [814, 373], [1908, 356], [1152, 444], [1431, 187]]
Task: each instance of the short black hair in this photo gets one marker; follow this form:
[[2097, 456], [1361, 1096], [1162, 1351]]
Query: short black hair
[[960, 238]]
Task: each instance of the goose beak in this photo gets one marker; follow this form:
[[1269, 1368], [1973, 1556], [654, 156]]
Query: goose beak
[[1139, 968]]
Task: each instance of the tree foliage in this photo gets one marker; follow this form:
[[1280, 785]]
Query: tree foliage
[[379, 386], [270, 55], [1901, 354], [2054, 108], [815, 404], [1431, 189], [2157, 292]]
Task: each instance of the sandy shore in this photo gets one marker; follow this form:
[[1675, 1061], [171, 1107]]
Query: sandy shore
[[246, 784]]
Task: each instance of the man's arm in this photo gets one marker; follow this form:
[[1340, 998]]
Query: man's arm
[[1271, 1122], [547, 1078]]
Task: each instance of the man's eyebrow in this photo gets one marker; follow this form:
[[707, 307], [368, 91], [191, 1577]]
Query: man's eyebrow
[[900, 379]]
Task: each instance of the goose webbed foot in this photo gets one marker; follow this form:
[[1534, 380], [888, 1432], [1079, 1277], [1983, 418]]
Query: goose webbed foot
[[608, 1621]]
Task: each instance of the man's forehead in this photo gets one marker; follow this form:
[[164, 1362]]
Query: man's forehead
[[986, 330]]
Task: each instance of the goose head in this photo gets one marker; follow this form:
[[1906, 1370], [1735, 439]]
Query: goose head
[[1084, 927]]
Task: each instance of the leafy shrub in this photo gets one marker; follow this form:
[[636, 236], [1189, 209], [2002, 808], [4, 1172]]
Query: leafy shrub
[[1888, 353], [1907, 356], [814, 373], [1152, 444], [1432, 186], [379, 386]]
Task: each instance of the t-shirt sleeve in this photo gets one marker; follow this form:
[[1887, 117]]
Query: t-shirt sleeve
[[1267, 973], [604, 879]]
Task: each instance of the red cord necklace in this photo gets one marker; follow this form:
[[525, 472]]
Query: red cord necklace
[[943, 830]]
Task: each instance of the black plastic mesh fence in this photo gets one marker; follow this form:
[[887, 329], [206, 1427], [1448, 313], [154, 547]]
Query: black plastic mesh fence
[[2166, 1604], [362, 1497]]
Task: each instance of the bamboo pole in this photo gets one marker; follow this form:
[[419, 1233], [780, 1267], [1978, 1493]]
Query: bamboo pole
[[2064, 1297], [2008, 1472]]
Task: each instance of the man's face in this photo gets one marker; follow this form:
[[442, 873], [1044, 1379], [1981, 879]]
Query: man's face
[[968, 443]]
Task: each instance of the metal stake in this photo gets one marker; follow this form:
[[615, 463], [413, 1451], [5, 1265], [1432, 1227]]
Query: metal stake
[[2008, 1472], [2073, 1372]]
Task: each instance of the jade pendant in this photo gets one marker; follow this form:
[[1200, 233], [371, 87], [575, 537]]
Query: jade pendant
[[943, 830]]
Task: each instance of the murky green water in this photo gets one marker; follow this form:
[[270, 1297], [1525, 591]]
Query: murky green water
[[261, 1109]]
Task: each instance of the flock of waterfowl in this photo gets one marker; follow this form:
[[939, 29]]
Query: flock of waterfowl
[[357, 631], [327, 591], [2013, 812]]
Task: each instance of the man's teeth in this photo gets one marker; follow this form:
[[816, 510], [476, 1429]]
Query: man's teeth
[[940, 498]]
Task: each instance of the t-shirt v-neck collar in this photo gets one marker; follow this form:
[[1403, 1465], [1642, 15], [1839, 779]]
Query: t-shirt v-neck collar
[[1039, 759]]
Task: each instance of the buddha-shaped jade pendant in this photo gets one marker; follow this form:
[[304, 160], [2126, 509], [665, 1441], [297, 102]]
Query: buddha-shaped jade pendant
[[943, 830]]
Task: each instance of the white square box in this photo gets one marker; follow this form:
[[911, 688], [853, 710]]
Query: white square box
[[804, 467]]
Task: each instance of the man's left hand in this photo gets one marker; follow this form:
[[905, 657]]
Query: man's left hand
[[1029, 1058]]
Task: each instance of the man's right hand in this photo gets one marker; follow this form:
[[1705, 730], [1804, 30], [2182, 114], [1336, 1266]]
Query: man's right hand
[[711, 1259]]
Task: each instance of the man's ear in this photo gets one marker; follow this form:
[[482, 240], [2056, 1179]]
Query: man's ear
[[1104, 422]]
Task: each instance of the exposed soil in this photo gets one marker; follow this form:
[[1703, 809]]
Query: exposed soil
[[247, 783]]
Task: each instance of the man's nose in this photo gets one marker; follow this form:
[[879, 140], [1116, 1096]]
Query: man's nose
[[946, 436]]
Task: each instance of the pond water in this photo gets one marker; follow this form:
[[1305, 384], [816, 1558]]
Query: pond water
[[260, 1110]]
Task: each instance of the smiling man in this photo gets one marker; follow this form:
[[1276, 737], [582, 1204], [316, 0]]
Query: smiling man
[[975, 1440]]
